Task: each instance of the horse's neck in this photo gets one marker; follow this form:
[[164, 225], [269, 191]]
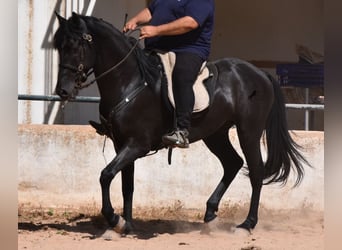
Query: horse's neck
[[109, 52]]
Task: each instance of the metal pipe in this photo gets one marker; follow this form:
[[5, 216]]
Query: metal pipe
[[307, 112], [90, 99], [305, 106], [93, 99]]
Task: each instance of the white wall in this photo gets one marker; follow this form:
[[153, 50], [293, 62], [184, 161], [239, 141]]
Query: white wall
[[61, 165], [38, 61], [251, 30]]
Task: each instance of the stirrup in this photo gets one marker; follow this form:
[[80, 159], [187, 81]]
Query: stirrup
[[100, 129], [177, 138]]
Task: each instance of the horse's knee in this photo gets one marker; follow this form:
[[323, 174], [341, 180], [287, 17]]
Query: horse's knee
[[106, 177]]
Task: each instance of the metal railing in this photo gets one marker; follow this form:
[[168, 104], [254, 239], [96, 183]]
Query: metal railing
[[56, 98], [305, 106], [92, 99]]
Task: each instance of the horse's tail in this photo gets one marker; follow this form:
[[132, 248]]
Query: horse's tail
[[283, 152]]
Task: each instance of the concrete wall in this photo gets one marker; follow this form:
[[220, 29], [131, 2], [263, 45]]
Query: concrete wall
[[60, 166]]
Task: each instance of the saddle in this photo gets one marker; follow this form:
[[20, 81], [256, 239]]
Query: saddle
[[203, 87], [202, 94]]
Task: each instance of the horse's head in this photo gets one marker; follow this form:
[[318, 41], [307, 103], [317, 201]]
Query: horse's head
[[76, 56]]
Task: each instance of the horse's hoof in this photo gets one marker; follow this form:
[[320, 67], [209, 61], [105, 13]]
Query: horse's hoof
[[110, 235], [128, 228], [121, 227], [208, 217], [248, 224], [209, 227], [239, 231]]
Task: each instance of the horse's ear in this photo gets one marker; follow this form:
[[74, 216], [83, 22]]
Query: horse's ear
[[61, 19], [75, 17], [77, 21]]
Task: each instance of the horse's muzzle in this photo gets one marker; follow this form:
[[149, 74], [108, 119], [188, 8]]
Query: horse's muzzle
[[63, 94], [66, 94]]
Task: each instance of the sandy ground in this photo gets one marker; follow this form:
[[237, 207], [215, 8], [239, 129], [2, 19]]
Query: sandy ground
[[169, 228]]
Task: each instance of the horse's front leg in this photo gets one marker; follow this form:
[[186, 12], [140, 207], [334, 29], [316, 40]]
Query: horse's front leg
[[124, 159], [127, 180]]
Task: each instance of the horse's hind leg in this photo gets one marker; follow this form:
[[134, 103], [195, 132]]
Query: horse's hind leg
[[220, 145], [250, 144]]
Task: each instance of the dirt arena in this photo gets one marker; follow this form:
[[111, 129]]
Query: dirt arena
[[168, 228]]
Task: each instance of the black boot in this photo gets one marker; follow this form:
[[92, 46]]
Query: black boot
[[99, 127], [177, 138]]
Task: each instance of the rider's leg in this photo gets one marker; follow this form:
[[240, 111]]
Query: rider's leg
[[183, 77]]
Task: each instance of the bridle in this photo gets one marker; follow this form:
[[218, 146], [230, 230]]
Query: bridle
[[82, 75]]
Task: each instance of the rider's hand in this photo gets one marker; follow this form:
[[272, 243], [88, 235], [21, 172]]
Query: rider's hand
[[131, 25], [148, 31]]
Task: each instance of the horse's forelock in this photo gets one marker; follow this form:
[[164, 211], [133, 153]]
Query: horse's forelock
[[62, 35], [70, 30]]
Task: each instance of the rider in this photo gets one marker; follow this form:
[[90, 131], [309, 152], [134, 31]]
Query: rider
[[184, 27]]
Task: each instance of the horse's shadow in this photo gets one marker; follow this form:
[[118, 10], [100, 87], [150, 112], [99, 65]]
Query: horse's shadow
[[142, 229]]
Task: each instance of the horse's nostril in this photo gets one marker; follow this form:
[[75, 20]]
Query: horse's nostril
[[62, 93]]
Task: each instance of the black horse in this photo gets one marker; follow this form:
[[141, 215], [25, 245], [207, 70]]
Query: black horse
[[134, 114]]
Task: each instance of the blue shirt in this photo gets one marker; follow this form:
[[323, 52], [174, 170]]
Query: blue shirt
[[197, 41]]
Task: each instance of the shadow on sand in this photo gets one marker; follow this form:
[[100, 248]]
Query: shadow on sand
[[95, 227]]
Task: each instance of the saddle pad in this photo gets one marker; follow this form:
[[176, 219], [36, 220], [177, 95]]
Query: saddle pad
[[201, 94]]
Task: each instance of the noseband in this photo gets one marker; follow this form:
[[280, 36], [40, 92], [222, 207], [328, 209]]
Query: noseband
[[81, 75]]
